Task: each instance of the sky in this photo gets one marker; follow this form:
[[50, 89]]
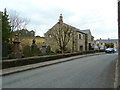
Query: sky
[[100, 16]]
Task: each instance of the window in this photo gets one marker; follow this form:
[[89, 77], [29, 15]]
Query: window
[[49, 35], [26, 32], [80, 36], [69, 34], [83, 36], [92, 39]]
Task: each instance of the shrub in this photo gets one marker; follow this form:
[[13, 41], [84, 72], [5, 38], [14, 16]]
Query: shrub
[[22, 56], [27, 51], [10, 56], [48, 49], [58, 51]]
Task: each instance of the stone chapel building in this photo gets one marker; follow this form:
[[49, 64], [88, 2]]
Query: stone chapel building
[[77, 40]]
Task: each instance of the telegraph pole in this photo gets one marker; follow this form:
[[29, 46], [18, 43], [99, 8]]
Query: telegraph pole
[[119, 42]]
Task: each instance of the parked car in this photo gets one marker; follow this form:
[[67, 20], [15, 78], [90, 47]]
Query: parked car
[[115, 49], [102, 48], [110, 50]]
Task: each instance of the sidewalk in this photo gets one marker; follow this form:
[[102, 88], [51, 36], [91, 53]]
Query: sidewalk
[[117, 76], [42, 64]]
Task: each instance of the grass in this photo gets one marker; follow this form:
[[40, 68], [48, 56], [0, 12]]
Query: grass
[[28, 41]]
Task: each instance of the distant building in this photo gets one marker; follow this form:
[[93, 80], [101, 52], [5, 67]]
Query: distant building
[[80, 40], [102, 43], [25, 33]]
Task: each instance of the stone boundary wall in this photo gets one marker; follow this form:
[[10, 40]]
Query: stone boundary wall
[[32, 60]]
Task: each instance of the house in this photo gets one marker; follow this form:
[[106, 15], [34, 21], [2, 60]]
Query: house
[[89, 44], [106, 43], [25, 33], [66, 37]]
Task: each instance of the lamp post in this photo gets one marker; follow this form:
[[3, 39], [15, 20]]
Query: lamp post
[[119, 42]]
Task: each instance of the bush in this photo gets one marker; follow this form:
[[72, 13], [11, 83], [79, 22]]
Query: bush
[[27, 51], [10, 56], [58, 51], [34, 50], [48, 49], [22, 56], [10, 48]]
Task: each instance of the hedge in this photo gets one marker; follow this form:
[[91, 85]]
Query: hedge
[[38, 59]]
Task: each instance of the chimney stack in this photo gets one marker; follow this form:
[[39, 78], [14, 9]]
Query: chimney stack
[[61, 19]]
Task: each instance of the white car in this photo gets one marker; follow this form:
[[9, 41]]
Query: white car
[[110, 50]]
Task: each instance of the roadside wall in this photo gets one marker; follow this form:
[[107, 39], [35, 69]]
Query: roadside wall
[[38, 59]]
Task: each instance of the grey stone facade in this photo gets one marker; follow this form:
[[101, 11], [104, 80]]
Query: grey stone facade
[[77, 38], [89, 40]]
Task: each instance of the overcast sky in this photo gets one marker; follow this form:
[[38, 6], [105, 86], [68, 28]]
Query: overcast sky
[[100, 16]]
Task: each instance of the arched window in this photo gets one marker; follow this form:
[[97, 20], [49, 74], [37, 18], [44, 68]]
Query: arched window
[[70, 34], [80, 36], [50, 36]]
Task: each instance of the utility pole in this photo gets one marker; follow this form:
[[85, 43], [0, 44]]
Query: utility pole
[[119, 42]]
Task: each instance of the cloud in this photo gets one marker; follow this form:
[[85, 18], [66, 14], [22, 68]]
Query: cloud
[[98, 15]]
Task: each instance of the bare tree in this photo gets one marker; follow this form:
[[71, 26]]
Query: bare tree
[[62, 34], [17, 22]]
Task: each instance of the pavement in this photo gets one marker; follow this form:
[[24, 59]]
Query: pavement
[[96, 71], [42, 64], [117, 73]]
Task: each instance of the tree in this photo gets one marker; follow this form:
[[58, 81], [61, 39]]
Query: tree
[[1, 13], [6, 31], [17, 22], [48, 49], [109, 45], [6, 28], [62, 35]]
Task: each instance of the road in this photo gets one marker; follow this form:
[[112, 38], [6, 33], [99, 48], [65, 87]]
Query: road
[[88, 72]]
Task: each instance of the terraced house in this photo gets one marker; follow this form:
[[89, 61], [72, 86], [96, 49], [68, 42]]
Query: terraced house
[[106, 43], [66, 38]]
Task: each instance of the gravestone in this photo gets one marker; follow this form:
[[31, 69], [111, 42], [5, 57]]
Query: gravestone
[[34, 48], [4, 51], [16, 47], [43, 49]]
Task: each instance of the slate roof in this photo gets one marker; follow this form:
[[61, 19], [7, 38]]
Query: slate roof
[[76, 29], [86, 31], [108, 40]]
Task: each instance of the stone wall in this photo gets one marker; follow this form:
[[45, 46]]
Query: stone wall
[[38, 59]]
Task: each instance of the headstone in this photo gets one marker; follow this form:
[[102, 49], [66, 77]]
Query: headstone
[[34, 49], [16, 47], [43, 49], [4, 51]]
